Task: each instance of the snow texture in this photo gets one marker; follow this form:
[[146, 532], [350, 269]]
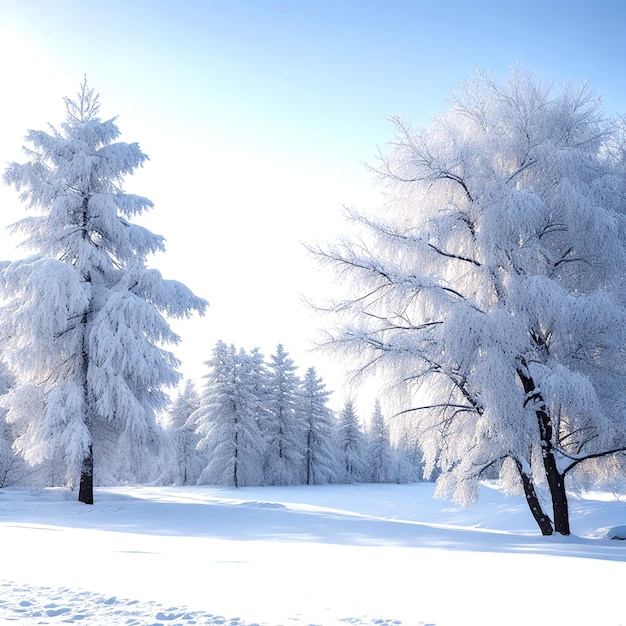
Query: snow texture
[[325, 555]]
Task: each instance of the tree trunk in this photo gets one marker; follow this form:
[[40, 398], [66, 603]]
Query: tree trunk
[[85, 491], [543, 521], [556, 483]]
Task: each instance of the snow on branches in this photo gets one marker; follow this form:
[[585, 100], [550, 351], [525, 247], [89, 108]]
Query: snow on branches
[[490, 285], [83, 318]]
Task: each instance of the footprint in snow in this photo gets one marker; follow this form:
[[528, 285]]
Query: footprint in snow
[[28, 605]]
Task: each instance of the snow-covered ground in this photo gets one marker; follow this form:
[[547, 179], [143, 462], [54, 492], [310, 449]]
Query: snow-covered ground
[[325, 555]]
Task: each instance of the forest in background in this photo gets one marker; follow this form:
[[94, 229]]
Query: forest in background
[[255, 422]]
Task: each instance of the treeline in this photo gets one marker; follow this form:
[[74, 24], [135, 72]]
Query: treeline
[[254, 422], [257, 422]]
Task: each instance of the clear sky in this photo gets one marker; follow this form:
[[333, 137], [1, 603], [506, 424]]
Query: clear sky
[[258, 116]]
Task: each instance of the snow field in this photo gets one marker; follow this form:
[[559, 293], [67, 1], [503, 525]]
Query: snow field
[[324, 556]]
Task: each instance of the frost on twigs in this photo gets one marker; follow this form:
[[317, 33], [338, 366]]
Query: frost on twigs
[[490, 286]]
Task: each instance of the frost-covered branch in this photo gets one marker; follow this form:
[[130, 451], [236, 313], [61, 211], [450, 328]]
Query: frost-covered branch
[[450, 255], [576, 459]]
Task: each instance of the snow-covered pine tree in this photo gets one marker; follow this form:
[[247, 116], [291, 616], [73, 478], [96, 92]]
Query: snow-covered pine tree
[[257, 371], [380, 466], [320, 432], [11, 466], [492, 287], [407, 453], [252, 371], [83, 321], [283, 427], [226, 421], [187, 462], [352, 450]]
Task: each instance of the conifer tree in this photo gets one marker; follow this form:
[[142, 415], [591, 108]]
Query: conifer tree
[[320, 432], [283, 426], [351, 445], [226, 421], [408, 457], [379, 457], [11, 467], [257, 372], [187, 461], [83, 322]]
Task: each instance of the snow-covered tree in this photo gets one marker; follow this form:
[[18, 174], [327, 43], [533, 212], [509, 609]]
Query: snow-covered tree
[[492, 286], [352, 450], [11, 465], [187, 461], [407, 455], [83, 322], [7, 456], [257, 373], [320, 432], [380, 466], [283, 426], [226, 421]]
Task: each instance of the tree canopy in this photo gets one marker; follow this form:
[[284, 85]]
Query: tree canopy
[[490, 286]]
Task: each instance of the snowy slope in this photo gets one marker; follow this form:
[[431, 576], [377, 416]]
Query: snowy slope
[[323, 555]]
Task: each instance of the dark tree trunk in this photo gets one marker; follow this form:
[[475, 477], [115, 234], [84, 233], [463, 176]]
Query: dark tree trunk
[[85, 491], [543, 521], [556, 482]]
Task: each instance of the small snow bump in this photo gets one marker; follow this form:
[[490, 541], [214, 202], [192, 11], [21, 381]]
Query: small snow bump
[[617, 532], [56, 612], [168, 616]]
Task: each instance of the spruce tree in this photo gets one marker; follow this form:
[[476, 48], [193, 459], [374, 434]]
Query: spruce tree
[[320, 432], [351, 444], [379, 457], [187, 461], [83, 321], [11, 467], [283, 426], [226, 421]]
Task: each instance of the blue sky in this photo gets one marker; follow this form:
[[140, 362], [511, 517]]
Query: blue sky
[[258, 116]]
